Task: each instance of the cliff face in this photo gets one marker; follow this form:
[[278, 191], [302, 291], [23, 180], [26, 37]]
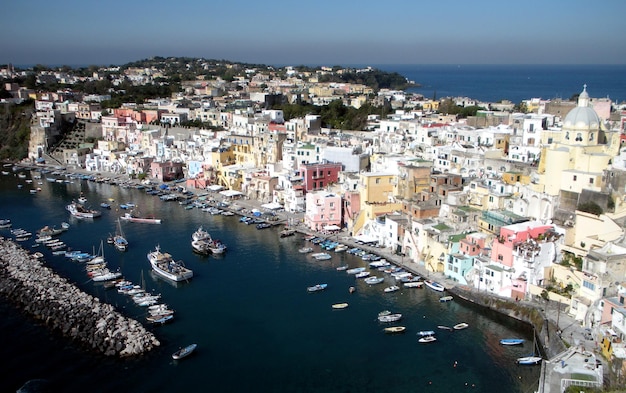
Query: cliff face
[[15, 121]]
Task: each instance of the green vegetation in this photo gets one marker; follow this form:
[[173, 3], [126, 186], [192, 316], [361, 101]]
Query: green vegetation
[[570, 259], [449, 107], [335, 115], [15, 130], [590, 207]]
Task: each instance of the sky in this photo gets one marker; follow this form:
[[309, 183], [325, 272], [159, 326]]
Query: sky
[[320, 32]]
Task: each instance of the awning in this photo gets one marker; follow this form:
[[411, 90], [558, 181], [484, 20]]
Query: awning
[[215, 187], [366, 239], [230, 193], [331, 228], [272, 206]]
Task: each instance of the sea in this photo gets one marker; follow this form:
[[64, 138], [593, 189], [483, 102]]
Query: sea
[[493, 83], [256, 326]]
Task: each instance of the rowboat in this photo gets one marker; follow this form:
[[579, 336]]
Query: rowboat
[[394, 329], [460, 326], [427, 339], [529, 360], [512, 341], [392, 288], [184, 352], [339, 306], [445, 299], [435, 286]]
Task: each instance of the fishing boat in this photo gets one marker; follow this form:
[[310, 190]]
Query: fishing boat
[[48, 231], [317, 287], [460, 326], [184, 352], [435, 286], [132, 217], [512, 341], [394, 329], [339, 306], [286, 232], [427, 339], [164, 265], [389, 318], [444, 299], [79, 211]]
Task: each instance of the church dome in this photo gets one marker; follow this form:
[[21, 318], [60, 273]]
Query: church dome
[[583, 117]]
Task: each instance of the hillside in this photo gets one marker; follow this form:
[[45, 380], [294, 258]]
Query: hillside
[[15, 130]]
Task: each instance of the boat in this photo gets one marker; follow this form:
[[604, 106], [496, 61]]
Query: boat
[[342, 267], [460, 326], [531, 359], [427, 339], [355, 270], [512, 341], [374, 280], [392, 288], [5, 223], [444, 299], [317, 287], [143, 220], [362, 274], [105, 205], [394, 329], [435, 286], [203, 243], [119, 240], [424, 333], [305, 250], [164, 265], [287, 232], [79, 211], [413, 284], [263, 225], [48, 231], [389, 318], [322, 256], [184, 352], [339, 306]]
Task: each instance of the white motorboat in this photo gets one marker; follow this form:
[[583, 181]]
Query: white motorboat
[[373, 280], [79, 211], [144, 220], [389, 317], [362, 274], [435, 286], [392, 288], [427, 339]]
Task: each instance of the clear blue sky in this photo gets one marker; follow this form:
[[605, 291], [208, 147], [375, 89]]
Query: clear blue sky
[[337, 32]]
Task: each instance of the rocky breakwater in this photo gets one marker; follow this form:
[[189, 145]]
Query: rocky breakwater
[[63, 307]]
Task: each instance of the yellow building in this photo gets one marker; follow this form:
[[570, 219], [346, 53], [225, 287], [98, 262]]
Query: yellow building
[[579, 153], [376, 196]]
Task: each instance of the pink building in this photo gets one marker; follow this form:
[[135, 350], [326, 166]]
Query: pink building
[[323, 211], [511, 235], [319, 175], [166, 171]]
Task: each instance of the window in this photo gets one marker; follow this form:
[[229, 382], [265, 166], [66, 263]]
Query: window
[[589, 285], [378, 180], [500, 257], [591, 180], [574, 178]]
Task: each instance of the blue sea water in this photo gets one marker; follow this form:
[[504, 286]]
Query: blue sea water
[[256, 326], [492, 83]]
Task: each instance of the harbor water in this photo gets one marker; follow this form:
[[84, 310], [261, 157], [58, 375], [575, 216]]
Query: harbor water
[[256, 326]]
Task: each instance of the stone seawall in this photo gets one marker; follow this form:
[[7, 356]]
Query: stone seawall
[[546, 331], [61, 306]]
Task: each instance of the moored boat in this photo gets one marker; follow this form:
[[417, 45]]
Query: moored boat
[[427, 339], [305, 250], [389, 317], [184, 352], [512, 341], [317, 287], [444, 299], [435, 286], [79, 211], [392, 288], [394, 329], [144, 220], [164, 265], [339, 306], [460, 326]]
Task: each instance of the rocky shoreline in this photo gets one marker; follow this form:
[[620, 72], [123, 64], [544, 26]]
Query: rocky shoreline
[[61, 306]]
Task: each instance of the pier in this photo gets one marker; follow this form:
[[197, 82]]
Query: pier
[[34, 288]]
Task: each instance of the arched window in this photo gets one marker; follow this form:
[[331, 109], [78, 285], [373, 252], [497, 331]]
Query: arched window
[[567, 136], [579, 137], [591, 136]]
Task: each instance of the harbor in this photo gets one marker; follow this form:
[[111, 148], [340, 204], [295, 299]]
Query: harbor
[[249, 307]]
